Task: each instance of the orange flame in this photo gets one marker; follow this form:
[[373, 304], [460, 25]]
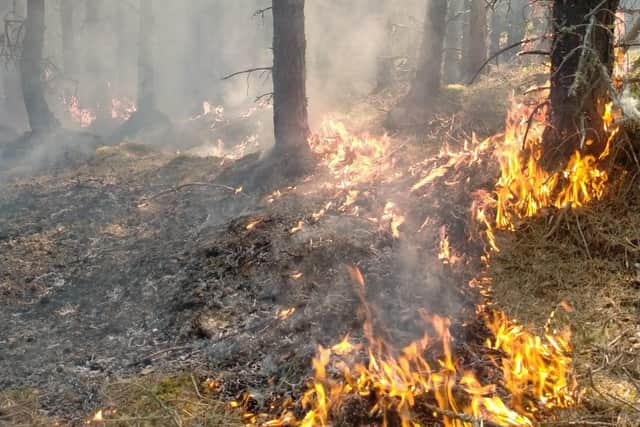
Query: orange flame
[[351, 159]]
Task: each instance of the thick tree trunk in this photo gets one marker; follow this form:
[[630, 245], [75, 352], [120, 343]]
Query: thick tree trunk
[[429, 73], [477, 50], [579, 90], [289, 85], [68, 37], [40, 117], [453, 42], [146, 75]]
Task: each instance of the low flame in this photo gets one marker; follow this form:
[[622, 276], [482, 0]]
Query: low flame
[[394, 217], [351, 159], [285, 313], [83, 117], [536, 373]]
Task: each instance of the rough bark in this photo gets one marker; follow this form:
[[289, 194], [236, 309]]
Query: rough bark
[[477, 50], [429, 73], [453, 42], [289, 86], [146, 74], [68, 37], [40, 117], [579, 90]]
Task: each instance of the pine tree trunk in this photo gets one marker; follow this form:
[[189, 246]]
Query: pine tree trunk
[[146, 75], [429, 73], [40, 117], [68, 37], [579, 91], [477, 53], [289, 85], [453, 42]]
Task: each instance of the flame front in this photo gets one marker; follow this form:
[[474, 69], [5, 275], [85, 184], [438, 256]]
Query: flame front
[[525, 187]]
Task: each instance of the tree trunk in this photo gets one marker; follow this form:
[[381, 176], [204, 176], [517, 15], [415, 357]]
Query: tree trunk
[[477, 53], [289, 85], [497, 26], [453, 42], [68, 37], [146, 75], [40, 117], [579, 90], [429, 73], [516, 17], [97, 91]]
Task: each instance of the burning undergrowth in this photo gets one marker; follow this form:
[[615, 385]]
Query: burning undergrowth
[[396, 241]]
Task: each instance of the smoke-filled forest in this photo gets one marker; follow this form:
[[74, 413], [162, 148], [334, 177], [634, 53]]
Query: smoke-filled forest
[[331, 213]]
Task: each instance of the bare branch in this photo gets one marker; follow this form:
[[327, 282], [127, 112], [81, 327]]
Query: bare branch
[[248, 71]]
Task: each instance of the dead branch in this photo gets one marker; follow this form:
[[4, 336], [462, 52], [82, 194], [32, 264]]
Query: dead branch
[[501, 51], [261, 12], [248, 71], [584, 57]]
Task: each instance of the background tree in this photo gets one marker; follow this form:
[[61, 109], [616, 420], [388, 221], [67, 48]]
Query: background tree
[[40, 117], [516, 23], [290, 115], [453, 41], [429, 72], [68, 36], [581, 64], [146, 74], [476, 51]]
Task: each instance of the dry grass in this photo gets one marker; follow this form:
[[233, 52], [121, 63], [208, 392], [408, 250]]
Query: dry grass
[[183, 400], [588, 258]]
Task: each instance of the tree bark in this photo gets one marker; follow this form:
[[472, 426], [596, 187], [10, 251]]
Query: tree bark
[[289, 85], [453, 42], [477, 51], [68, 37], [579, 90], [40, 117], [146, 74], [429, 73]]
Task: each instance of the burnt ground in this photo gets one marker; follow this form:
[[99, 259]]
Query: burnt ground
[[130, 260]]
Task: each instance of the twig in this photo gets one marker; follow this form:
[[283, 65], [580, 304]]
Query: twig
[[611, 396], [195, 386], [558, 220], [584, 241]]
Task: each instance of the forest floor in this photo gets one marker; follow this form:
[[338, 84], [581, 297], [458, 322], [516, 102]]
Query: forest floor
[[135, 281]]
